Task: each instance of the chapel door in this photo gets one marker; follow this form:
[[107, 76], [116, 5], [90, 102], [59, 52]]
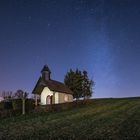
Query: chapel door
[[49, 100]]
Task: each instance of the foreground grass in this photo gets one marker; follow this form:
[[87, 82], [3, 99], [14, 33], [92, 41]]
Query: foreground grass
[[116, 119]]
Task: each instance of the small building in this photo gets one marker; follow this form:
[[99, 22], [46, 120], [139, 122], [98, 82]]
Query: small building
[[1, 99], [50, 91]]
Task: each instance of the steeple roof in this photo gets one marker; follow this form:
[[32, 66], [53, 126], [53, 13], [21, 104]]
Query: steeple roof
[[45, 68]]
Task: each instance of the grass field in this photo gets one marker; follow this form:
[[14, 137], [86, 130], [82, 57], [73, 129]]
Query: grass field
[[117, 119]]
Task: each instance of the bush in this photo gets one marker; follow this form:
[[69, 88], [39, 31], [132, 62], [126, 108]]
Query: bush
[[2, 105], [63, 106], [29, 105], [6, 108], [17, 104], [13, 107], [8, 105]]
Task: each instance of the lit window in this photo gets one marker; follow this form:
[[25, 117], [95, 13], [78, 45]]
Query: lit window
[[66, 98]]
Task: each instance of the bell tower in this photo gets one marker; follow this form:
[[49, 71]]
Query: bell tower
[[46, 73]]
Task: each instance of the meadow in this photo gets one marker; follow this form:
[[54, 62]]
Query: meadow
[[116, 119]]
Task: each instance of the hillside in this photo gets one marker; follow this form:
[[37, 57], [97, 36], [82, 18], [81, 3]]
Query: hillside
[[100, 119]]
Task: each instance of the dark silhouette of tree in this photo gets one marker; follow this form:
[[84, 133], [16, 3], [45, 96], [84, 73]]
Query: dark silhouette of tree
[[87, 86], [79, 83], [73, 79], [20, 94], [7, 94]]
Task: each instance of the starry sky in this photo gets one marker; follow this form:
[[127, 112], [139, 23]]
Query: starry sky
[[100, 36]]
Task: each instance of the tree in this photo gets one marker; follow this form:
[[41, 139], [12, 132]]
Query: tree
[[73, 79], [7, 94], [87, 86], [79, 83], [20, 94]]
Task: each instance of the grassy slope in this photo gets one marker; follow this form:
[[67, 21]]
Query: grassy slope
[[103, 119]]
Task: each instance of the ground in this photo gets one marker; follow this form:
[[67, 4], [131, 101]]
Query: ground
[[116, 119]]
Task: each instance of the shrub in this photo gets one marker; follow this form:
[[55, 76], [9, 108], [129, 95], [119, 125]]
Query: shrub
[[2, 105], [8, 105], [17, 104], [13, 107], [6, 108], [29, 105], [64, 106]]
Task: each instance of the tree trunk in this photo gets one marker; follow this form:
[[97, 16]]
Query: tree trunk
[[23, 106]]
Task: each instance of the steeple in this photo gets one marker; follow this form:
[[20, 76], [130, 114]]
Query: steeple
[[46, 73]]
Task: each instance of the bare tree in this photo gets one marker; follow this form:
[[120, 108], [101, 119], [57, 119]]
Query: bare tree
[[7, 94], [22, 95]]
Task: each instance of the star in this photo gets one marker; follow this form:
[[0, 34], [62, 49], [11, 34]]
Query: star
[[29, 18], [48, 24]]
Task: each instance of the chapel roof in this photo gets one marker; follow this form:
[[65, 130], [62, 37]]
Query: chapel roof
[[53, 85]]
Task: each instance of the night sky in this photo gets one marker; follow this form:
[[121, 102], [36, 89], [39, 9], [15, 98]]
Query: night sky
[[100, 36]]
